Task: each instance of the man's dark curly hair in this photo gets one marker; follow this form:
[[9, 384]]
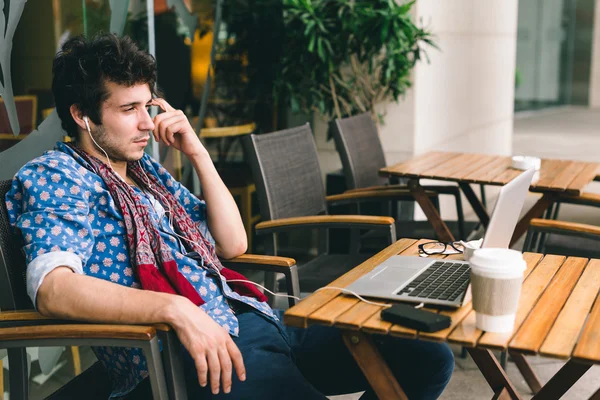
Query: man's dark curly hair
[[82, 68]]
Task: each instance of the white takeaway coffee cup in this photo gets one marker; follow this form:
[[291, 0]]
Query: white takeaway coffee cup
[[496, 280]]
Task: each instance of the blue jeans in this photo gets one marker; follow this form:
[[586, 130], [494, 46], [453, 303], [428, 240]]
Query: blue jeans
[[291, 363]]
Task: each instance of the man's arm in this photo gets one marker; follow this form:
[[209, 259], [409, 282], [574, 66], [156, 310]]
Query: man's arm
[[64, 294], [222, 213], [173, 128]]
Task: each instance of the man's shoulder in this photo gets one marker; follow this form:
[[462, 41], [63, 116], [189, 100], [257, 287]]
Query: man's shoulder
[[52, 161]]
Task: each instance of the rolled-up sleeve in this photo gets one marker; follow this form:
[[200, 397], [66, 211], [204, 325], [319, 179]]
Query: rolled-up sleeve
[[49, 208]]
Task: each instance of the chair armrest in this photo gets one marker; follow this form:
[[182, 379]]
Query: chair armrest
[[373, 195], [78, 331], [380, 187], [324, 221], [565, 228], [260, 263], [23, 315], [34, 318], [437, 189], [585, 199]]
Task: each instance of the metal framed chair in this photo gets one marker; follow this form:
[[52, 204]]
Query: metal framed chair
[[290, 190], [357, 141], [550, 235]]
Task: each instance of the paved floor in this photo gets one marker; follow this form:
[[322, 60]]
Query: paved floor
[[570, 133]]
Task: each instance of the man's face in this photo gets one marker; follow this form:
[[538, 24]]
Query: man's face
[[126, 124]]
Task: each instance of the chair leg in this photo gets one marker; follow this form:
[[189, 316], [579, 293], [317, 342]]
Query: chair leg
[[503, 359], [460, 217], [1, 381], [173, 365], [155, 370], [293, 285], [19, 374], [528, 240], [76, 360], [482, 191]]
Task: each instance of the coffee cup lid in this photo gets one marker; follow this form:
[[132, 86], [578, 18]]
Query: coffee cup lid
[[496, 258]]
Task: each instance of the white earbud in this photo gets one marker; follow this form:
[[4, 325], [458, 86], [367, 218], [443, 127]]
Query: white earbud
[[87, 124]]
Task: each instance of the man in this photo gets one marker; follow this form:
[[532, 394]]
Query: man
[[101, 220]]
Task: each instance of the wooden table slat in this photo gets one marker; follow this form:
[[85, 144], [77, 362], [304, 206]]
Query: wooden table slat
[[484, 175], [533, 287], [376, 325], [452, 166], [506, 176], [566, 176], [465, 333], [418, 164], [327, 314], [457, 317], [401, 331], [588, 347], [532, 260], [355, 317], [481, 161], [585, 177], [564, 333], [550, 170], [297, 315], [534, 330]]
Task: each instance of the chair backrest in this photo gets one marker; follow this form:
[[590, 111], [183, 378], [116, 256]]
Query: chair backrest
[[13, 293], [358, 143], [287, 173], [26, 112]]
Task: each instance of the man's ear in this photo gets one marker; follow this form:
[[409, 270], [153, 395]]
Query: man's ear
[[77, 115]]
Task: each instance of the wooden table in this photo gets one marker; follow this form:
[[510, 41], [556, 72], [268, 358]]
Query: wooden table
[[558, 316], [556, 178]]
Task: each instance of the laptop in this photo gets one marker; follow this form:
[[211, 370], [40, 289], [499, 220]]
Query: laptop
[[444, 282]]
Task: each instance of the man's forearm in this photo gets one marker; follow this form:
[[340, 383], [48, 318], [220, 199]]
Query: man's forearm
[[223, 216], [68, 295]]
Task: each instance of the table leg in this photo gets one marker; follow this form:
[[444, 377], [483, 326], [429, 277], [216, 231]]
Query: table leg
[[535, 212], [477, 205], [562, 381], [432, 214], [373, 366], [502, 395], [528, 373], [493, 373]]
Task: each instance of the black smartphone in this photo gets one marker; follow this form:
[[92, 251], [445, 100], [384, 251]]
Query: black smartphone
[[414, 318]]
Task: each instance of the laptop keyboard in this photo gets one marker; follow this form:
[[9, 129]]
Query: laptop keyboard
[[441, 281]]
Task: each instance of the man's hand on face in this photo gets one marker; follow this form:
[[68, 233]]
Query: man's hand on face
[[211, 347], [173, 129]]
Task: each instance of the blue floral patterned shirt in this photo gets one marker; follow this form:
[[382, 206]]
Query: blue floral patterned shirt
[[67, 217]]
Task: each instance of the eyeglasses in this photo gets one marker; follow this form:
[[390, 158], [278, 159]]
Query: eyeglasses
[[432, 248]]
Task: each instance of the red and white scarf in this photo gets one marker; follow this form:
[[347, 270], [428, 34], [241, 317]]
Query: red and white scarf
[[151, 258]]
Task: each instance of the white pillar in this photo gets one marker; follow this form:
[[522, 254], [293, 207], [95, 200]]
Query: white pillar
[[464, 98], [595, 68]]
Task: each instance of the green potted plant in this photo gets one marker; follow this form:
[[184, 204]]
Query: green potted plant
[[343, 57]]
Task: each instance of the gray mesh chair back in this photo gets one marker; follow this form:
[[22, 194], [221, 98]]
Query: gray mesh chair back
[[13, 293], [287, 173], [358, 143]]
